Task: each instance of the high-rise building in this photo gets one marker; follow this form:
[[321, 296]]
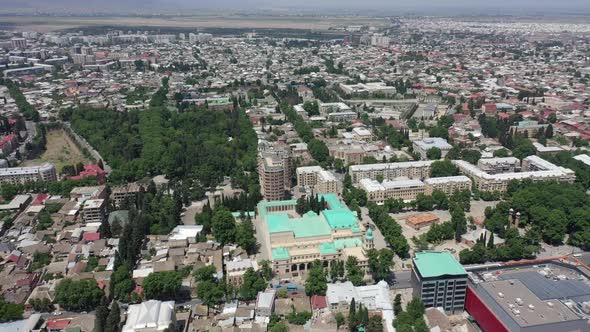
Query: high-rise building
[[274, 171], [439, 280], [18, 43]]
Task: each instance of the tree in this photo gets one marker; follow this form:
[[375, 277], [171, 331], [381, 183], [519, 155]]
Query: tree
[[549, 131], [340, 319], [442, 168], [113, 322], [162, 286], [102, 313], [105, 230], [41, 305], [266, 270], [433, 153], [253, 283], [397, 304], [316, 280], [299, 318], [459, 221], [245, 236], [354, 273], [223, 226], [416, 308], [380, 263], [375, 324], [280, 327], [10, 311], [78, 295]]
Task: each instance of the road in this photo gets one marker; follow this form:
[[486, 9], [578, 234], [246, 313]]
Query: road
[[402, 279]]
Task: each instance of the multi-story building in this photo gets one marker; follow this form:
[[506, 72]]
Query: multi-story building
[[439, 280], [125, 192], [235, 270], [447, 184], [390, 171], [534, 168], [274, 172], [94, 210], [403, 188], [499, 165], [294, 243], [18, 43], [527, 128], [422, 146], [317, 179], [348, 153], [15, 175]]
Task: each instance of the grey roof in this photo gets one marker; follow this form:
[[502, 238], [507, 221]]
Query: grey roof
[[546, 288]]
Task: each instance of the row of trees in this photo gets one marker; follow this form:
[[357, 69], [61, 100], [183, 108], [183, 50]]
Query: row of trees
[[222, 225], [391, 230], [26, 109]]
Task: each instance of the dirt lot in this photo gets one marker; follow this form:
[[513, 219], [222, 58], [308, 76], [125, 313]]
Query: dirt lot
[[61, 151]]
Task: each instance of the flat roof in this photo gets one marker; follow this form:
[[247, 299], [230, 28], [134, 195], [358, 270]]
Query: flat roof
[[432, 263]]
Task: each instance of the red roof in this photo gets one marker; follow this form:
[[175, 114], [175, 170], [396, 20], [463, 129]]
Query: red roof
[[318, 302], [58, 324], [90, 171], [40, 199], [91, 236], [503, 115], [6, 140]]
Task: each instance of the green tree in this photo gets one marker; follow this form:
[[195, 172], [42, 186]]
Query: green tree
[[354, 273], [245, 236], [162, 286], [315, 283], [380, 262], [397, 304], [433, 153], [375, 324], [223, 226], [113, 323], [78, 295], [253, 283], [266, 270], [442, 168], [10, 311]]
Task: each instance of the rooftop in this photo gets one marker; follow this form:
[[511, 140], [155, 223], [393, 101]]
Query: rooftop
[[432, 263]]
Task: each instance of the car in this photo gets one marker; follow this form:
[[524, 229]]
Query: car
[[294, 293]]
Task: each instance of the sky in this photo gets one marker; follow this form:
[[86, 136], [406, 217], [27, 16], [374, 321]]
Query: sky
[[385, 7]]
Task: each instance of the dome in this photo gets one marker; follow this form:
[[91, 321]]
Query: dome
[[369, 234]]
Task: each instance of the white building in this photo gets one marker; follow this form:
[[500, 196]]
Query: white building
[[426, 144], [317, 179], [16, 175], [149, 316], [374, 297], [186, 232]]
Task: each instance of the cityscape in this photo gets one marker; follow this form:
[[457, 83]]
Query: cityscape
[[294, 166]]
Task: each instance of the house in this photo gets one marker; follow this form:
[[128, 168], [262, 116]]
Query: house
[[149, 316]]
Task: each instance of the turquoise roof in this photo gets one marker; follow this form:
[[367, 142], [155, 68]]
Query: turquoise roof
[[432, 263], [340, 218], [280, 253], [251, 214], [348, 243], [328, 248], [307, 226], [369, 234]]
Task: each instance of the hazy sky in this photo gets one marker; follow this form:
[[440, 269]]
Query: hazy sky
[[387, 7]]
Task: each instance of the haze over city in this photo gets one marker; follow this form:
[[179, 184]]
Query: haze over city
[[302, 165]]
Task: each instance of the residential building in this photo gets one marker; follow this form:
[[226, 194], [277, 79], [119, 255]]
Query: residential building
[[274, 171], [149, 316], [21, 175], [94, 210], [400, 188], [499, 165], [265, 302], [374, 297], [533, 168], [348, 153], [294, 242], [439, 280], [317, 179], [527, 128], [236, 268], [390, 171], [447, 184], [124, 192], [421, 147]]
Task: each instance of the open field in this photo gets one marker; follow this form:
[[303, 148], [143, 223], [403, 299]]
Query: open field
[[44, 24], [61, 150]]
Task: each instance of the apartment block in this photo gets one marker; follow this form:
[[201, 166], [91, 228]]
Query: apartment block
[[317, 179], [125, 192], [94, 210], [448, 184], [403, 188], [439, 280], [390, 171], [274, 172], [499, 165], [20, 175]]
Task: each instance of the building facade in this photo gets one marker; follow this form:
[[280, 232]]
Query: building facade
[[439, 280], [390, 171], [20, 175], [274, 172], [317, 179]]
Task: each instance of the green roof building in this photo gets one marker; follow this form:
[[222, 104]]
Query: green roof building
[[295, 241], [440, 280]]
